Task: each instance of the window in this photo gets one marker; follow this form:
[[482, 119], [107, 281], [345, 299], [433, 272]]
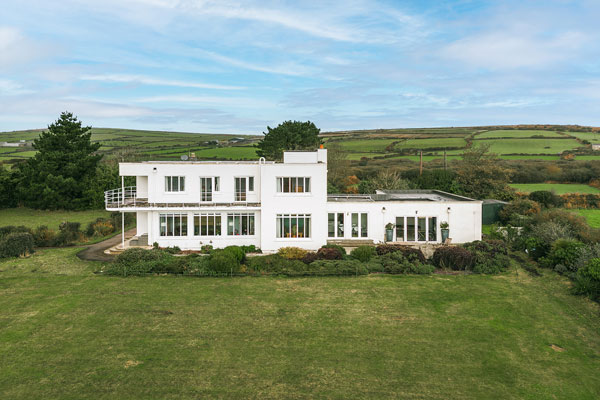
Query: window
[[293, 225], [335, 223], [207, 224], [293, 185], [242, 185], [240, 224], [416, 229], [174, 183], [207, 186], [359, 225], [173, 224]]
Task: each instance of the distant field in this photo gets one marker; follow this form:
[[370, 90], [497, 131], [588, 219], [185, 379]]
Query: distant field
[[593, 137], [430, 143], [52, 219], [556, 187], [530, 146], [592, 216], [366, 145], [516, 134]]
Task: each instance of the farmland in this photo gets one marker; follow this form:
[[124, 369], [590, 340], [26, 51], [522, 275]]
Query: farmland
[[68, 333], [555, 187]]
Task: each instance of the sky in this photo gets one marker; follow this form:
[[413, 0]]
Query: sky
[[239, 66]]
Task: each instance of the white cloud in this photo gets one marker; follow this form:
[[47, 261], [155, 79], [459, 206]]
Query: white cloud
[[501, 50], [16, 49], [145, 80]]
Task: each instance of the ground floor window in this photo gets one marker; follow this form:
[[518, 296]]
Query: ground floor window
[[240, 224], [173, 224], [416, 229], [335, 225], [207, 224], [293, 225], [359, 225]]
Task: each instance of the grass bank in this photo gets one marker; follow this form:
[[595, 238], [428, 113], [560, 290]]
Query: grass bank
[[67, 333], [34, 218]]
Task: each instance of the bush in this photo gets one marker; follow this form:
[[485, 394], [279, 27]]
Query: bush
[[44, 237], [250, 249], [206, 249], [453, 257], [587, 280], [310, 257], [489, 256], [16, 244], [545, 198], [224, 261], [518, 210], [329, 253], [335, 246], [406, 250], [337, 267], [397, 263], [275, 264], [363, 253], [237, 252], [563, 252], [101, 227], [7, 230], [586, 253], [292, 253], [68, 232], [172, 249]]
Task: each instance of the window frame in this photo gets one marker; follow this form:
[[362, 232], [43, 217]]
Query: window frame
[[182, 224], [337, 225], [250, 181], [293, 183], [169, 184], [415, 228], [215, 187], [217, 227], [250, 223], [301, 220]]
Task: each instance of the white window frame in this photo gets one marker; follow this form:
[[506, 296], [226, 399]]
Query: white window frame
[[215, 216], [336, 233], [182, 217], [292, 183], [169, 183], [306, 227], [215, 187], [359, 227], [247, 179], [250, 223], [416, 232]]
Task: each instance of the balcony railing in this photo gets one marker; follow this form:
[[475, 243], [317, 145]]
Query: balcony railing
[[122, 197]]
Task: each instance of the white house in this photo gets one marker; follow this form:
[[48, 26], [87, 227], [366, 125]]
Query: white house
[[271, 205]]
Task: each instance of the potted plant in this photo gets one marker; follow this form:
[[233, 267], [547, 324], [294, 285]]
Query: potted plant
[[389, 232], [445, 230]]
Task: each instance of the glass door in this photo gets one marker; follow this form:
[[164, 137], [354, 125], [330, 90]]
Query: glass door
[[240, 189]]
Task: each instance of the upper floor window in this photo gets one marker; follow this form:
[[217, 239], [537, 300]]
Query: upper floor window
[[207, 186], [174, 183], [293, 184], [243, 185]]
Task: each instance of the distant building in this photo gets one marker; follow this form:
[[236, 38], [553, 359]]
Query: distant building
[[21, 143], [595, 146]]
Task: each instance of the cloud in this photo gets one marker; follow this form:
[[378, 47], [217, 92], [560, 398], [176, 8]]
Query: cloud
[[506, 50], [145, 80], [16, 49]]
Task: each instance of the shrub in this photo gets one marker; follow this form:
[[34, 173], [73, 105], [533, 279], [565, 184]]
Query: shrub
[[224, 261], [515, 211], [337, 267], [44, 237], [363, 253], [335, 246], [586, 253], [563, 251], [329, 253], [406, 250], [16, 244], [172, 249], [276, 264], [453, 257], [7, 230], [292, 253], [587, 280], [68, 232], [310, 257], [236, 252], [101, 227], [397, 263], [206, 249], [250, 249], [545, 198]]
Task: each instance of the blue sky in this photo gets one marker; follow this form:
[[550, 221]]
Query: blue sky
[[236, 67]]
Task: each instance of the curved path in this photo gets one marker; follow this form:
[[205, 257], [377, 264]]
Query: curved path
[[95, 252]]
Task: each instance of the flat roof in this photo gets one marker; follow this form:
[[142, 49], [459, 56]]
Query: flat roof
[[200, 162], [398, 195]]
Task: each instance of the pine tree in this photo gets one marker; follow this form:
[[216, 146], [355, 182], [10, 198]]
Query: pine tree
[[58, 176], [289, 135]]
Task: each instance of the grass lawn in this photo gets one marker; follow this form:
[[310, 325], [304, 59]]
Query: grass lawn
[[559, 188], [67, 333], [592, 216], [34, 218]]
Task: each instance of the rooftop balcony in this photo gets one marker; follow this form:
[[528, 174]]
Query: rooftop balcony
[[128, 199]]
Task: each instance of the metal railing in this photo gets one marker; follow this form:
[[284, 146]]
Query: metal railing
[[117, 198]]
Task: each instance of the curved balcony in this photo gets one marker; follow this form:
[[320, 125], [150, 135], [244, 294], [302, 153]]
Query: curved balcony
[[123, 197]]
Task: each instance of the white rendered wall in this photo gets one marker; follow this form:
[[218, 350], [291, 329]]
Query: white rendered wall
[[141, 223]]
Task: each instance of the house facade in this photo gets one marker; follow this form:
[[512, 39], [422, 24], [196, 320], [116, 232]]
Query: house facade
[[271, 205]]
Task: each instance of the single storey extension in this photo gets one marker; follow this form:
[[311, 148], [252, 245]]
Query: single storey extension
[[268, 204]]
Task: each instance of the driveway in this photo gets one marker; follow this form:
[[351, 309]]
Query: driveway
[[95, 252]]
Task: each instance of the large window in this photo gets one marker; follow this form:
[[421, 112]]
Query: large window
[[240, 224], [173, 224], [293, 185], [359, 225], [207, 186], [207, 224], [416, 229], [174, 183], [293, 225], [242, 186], [335, 225]]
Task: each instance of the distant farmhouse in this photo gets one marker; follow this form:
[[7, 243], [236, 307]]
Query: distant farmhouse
[[595, 146], [20, 143]]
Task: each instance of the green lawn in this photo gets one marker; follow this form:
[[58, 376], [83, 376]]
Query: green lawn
[[34, 218], [67, 333], [559, 188], [502, 133], [529, 146], [592, 216]]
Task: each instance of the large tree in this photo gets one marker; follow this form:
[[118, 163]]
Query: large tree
[[481, 175], [289, 135], [60, 174]]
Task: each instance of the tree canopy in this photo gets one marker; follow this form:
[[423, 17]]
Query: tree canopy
[[62, 172], [289, 135]]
